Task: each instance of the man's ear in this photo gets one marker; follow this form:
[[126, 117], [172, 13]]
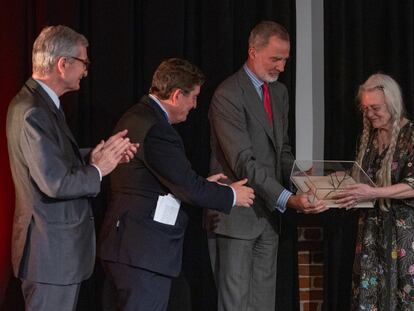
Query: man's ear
[[61, 64], [174, 95], [252, 52]]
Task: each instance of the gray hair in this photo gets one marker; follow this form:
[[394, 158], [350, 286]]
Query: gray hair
[[392, 93], [52, 43], [261, 33], [395, 106]]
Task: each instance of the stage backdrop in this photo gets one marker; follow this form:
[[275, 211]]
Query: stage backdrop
[[128, 39], [20, 22]]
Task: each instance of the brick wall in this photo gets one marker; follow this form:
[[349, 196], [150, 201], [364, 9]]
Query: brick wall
[[310, 260]]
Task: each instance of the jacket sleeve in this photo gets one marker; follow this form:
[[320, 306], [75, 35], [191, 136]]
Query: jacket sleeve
[[56, 170], [286, 156], [164, 155], [229, 126]]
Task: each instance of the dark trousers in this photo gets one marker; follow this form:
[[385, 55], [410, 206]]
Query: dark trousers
[[49, 297], [138, 289]]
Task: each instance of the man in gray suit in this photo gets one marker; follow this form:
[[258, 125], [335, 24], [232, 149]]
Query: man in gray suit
[[53, 242], [249, 123]]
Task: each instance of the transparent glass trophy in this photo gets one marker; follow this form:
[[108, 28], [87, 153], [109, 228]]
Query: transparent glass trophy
[[326, 179]]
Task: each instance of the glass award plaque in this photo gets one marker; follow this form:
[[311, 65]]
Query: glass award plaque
[[326, 179]]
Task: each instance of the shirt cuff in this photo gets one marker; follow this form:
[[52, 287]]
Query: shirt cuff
[[282, 200], [99, 171], [234, 196]]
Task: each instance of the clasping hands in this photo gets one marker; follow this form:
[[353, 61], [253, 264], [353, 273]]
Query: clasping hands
[[244, 194]]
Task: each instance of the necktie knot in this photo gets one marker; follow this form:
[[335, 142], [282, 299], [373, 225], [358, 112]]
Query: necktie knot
[[265, 87], [266, 102]]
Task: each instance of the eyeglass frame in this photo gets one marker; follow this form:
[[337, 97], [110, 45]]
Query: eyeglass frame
[[85, 62], [374, 108]]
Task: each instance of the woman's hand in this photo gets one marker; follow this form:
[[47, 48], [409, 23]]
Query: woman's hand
[[352, 195]]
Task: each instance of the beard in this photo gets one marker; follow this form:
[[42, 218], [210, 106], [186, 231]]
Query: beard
[[269, 78]]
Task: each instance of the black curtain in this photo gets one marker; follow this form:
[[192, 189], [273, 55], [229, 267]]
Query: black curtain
[[361, 38], [128, 39]]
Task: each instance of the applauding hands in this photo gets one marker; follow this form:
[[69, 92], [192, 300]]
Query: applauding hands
[[117, 149]]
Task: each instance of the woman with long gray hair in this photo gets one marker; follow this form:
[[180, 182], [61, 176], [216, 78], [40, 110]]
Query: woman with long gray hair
[[383, 277]]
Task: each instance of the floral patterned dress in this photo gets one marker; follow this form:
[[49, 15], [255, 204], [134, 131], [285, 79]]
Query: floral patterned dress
[[383, 278]]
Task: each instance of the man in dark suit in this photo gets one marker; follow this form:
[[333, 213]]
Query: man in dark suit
[[141, 253], [249, 124], [53, 242]]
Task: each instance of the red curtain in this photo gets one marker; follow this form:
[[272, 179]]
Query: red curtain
[[13, 60], [20, 23]]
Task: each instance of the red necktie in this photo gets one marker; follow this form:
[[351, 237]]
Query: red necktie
[[266, 102]]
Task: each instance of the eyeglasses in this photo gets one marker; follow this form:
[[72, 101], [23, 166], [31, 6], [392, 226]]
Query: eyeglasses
[[85, 62], [373, 108]]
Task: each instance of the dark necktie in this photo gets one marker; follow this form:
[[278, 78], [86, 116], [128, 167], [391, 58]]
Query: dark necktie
[[266, 102], [61, 112]]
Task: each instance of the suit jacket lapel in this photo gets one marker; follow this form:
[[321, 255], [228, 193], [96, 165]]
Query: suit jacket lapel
[[255, 105], [157, 109], [33, 85], [277, 116]]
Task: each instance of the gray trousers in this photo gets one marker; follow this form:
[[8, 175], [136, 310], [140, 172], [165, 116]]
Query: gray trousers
[[49, 297], [245, 271]]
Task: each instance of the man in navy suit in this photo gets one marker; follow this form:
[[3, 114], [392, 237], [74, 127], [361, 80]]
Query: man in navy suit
[[141, 253]]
